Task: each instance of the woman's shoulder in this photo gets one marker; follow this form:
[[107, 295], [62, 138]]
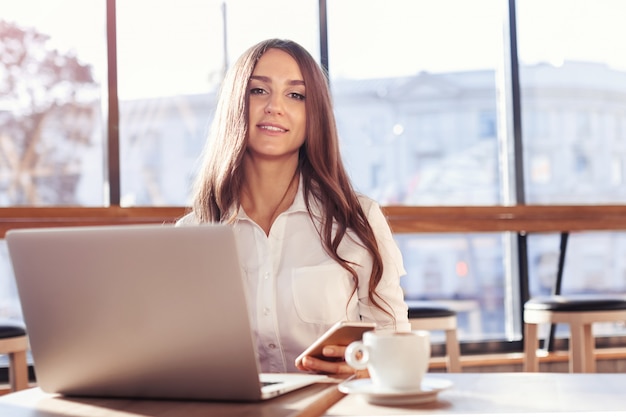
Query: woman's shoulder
[[188, 219], [373, 212], [367, 203]]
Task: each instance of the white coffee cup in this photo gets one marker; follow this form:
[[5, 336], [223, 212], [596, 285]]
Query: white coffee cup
[[396, 361]]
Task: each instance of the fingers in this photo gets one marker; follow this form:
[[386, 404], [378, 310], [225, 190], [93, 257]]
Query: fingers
[[326, 367], [331, 366], [334, 365], [334, 351]]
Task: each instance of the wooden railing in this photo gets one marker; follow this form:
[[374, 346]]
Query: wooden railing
[[467, 219], [27, 217], [528, 218]]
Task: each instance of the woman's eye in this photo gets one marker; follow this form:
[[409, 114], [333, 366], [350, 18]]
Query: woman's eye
[[257, 90], [297, 96]]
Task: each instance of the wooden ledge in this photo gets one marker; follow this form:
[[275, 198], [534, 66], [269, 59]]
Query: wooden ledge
[[403, 219], [520, 218], [27, 217]]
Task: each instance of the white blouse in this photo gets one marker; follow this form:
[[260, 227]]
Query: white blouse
[[296, 291]]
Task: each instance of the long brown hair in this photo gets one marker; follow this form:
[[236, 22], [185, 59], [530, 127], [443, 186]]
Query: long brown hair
[[324, 178]]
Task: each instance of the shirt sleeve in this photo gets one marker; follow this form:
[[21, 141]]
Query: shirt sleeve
[[390, 293]]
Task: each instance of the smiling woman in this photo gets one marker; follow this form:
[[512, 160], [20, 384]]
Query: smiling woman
[[315, 252]]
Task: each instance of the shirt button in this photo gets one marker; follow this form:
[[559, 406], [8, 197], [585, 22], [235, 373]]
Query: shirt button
[[266, 311], [272, 346], [266, 275]]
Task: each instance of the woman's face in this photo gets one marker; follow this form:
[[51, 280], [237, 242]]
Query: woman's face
[[277, 112]]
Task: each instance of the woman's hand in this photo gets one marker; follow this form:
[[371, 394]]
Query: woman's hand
[[334, 365]]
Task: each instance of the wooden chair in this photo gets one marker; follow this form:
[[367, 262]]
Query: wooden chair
[[579, 313], [14, 343], [426, 315]]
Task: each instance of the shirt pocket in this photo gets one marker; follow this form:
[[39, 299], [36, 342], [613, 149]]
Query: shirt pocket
[[321, 293]]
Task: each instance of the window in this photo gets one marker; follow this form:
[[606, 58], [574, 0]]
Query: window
[[52, 75], [571, 61], [51, 121], [426, 66], [170, 67], [430, 67]]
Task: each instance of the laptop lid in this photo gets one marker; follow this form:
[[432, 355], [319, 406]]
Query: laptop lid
[[146, 311]]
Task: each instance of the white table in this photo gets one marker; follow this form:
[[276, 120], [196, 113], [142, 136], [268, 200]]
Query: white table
[[510, 393], [536, 394]]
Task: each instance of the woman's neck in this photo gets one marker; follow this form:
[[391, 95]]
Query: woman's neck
[[268, 190]]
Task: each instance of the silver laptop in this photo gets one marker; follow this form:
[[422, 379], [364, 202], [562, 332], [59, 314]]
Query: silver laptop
[[150, 311]]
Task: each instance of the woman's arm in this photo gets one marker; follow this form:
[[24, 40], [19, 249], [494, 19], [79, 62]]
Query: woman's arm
[[389, 292]]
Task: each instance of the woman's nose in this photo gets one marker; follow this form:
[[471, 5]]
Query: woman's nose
[[274, 104]]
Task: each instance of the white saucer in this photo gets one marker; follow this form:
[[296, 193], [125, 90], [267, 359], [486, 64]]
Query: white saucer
[[428, 393]]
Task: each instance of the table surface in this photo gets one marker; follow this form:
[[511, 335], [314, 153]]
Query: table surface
[[539, 394]]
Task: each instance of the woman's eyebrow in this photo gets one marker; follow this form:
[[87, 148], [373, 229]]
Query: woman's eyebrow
[[265, 79]]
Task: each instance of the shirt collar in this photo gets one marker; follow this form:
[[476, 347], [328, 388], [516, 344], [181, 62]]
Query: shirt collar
[[298, 204]]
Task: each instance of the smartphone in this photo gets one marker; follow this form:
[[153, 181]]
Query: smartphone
[[341, 334]]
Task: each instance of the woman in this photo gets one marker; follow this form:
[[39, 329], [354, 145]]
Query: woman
[[313, 252]]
